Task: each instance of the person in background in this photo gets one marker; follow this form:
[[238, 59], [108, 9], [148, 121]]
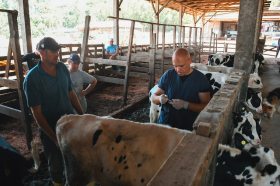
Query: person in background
[[79, 78], [112, 50], [31, 58], [50, 95], [183, 92]]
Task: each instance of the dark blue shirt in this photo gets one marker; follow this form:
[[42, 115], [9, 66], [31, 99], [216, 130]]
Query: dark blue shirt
[[52, 93], [186, 88]]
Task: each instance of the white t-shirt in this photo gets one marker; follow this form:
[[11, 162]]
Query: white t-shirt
[[79, 78]]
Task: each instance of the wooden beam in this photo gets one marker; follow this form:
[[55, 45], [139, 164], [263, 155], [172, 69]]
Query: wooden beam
[[25, 26], [116, 28], [84, 49], [106, 61], [9, 83], [109, 79], [164, 5], [12, 112]]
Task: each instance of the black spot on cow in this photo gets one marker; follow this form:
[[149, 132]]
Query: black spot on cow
[[118, 138], [266, 149], [139, 165], [249, 181], [246, 172], [268, 169], [96, 136], [253, 151], [246, 129], [255, 99], [120, 159]]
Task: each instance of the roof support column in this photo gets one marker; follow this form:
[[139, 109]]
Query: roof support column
[[181, 15], [25, 26], [259, 23], [245, 40], [116, 13]]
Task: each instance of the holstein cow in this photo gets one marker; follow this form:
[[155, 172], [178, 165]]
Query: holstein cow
[[255, 81], [219, 59], [240, 168], [254, 100], [272, 103], [113, 151], [258, 63], [216, 80], [247, 130]]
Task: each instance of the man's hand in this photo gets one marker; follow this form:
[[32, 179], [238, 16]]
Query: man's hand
[[179, 104], [163, 98]]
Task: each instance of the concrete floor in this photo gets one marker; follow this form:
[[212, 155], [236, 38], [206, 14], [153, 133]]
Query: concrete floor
[[271, 127]]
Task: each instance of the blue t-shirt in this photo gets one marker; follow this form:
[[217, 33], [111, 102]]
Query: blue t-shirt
[[111, 49], [186, 88], [52, 93]]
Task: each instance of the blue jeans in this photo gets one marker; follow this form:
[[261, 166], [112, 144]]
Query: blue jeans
[[54, 158]]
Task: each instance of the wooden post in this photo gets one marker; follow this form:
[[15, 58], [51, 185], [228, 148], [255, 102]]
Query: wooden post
[[210, 45], [9, 57], [128, 62], [190, 37], [152, 63], [174, 38], [183, 37], [14, 42], [259, 23], [195, 36], [163, 49], [25, 26], [181, 14], [200, 45], [151, 33], [84, 48], [116, 13], [245, 41], [157, 17]]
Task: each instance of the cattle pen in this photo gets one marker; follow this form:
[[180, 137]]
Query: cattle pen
[[120, 92]]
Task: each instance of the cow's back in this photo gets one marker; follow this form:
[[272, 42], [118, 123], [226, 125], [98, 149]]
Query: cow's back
[[113, 151]]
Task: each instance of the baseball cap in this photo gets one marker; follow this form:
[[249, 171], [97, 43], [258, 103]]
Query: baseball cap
[[75, 58], [48, 43]]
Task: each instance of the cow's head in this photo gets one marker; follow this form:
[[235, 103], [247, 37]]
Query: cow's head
[[255, 81], [246, 133]]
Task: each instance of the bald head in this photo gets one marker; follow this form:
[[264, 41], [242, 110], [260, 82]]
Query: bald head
[[181, 53], [181, 61]]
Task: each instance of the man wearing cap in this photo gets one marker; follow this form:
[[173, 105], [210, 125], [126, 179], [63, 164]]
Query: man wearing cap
[[79, 78], [49, 94]]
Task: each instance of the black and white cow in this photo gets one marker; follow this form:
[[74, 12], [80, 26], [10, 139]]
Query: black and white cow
[[236, 167], [221, 59], [254, 100], [113, 151], [216, 80], [247, 130], [258, 63], [255, 81]]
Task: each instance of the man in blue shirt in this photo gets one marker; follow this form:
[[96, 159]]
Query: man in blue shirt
[[112, 50], [183, 92], [49, 94]]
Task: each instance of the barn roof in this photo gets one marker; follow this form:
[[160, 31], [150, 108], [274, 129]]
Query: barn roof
[[204, 6]]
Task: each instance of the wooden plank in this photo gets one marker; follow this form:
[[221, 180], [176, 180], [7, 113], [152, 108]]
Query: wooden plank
[[14, 113], [188, 164], [106, 61], [152, 63], [109, 79], [131, 34], [13, 84]]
